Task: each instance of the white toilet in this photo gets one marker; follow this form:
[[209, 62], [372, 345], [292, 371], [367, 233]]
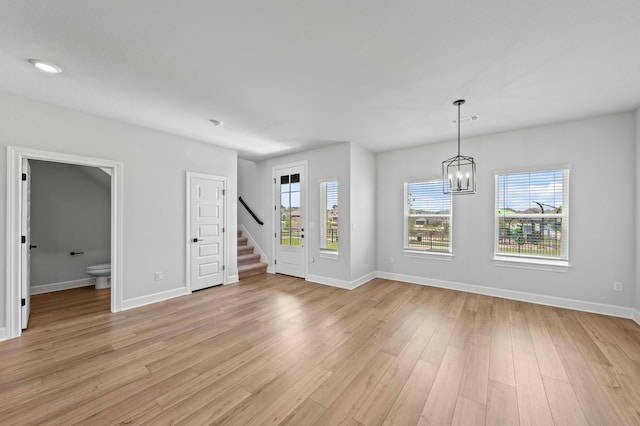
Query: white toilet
[[102, 273]]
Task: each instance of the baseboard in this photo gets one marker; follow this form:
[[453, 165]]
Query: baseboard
[[232, 279], [636, 316], [136, 302], [3, 334], [65, 285], [334, 282], [271, 269], [252, 242], [560, 302], [363, 279]]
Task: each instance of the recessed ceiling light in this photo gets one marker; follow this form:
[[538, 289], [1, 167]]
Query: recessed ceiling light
[[216, 122], [45, 66]]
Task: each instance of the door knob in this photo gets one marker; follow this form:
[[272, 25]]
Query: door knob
[[32, 246], [195, 240]]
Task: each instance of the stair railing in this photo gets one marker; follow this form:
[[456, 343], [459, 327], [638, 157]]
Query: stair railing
[[253, 215]]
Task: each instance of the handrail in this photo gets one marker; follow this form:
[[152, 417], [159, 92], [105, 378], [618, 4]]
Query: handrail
[[253, 215]]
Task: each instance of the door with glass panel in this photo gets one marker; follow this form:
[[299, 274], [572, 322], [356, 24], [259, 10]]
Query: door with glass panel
[[290, 219]]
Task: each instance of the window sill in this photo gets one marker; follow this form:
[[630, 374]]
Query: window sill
[[327, 254], [528, 263], [428, 255]]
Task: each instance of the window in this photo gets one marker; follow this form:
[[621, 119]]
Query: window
[[532, 215], [329, 215], [290, 223], [427, 217]]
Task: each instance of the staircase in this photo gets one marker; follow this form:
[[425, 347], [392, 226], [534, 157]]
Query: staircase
[[248, 262]]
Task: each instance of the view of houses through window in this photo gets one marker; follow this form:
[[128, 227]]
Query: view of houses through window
[[532, 217], [427, 217], [329, 215]]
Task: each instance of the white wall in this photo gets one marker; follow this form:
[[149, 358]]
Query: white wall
[[363, 212], [602, 213], [154, 183], [256, 181], [70, 211], [637, 215]]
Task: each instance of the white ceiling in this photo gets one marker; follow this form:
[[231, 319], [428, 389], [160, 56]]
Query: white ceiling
[[288, 75]]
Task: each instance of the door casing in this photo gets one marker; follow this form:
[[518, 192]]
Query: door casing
[[15, 155]]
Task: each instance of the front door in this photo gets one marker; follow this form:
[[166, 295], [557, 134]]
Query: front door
[[25, 254], [290, 254], [207, 231]]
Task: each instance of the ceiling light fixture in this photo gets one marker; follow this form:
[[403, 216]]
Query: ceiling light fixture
[[216, 123], [468, 118], [459, 172], [45, 66]]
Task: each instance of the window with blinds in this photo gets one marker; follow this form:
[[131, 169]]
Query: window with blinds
[[329, 215], [427, 217], [532, 214]]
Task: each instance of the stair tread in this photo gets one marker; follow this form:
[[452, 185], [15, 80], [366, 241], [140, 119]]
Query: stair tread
[[248, 256], [252, 266]]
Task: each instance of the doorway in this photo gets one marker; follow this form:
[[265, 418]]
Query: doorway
[[16, 258], [290, 182], [68, 242]]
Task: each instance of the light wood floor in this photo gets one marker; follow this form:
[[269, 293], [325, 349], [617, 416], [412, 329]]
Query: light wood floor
[[275, 349]]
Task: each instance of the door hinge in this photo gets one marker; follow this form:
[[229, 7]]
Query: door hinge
[[275, 262], [274, 181], [223, 267], [23, 239], [23, 302], [224, 192], [275, 235], [223, 229], [24, 176]]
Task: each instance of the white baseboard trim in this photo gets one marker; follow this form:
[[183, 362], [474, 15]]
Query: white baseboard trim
[[271, 269], [559, 302], [136, 302], [65, 285], [3, 334], [252, 242], [334, 282], [636, 316], [232, 279]]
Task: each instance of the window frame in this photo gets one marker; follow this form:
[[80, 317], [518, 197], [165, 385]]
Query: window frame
[[550, 263], [324, 251], [428, 253]]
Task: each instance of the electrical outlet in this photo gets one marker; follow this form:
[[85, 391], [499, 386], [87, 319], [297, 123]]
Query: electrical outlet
[[158, 276], [617, 286]]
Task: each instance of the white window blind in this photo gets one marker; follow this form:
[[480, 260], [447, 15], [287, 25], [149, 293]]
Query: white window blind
[[427, 217], [532, 214], [329, 215]]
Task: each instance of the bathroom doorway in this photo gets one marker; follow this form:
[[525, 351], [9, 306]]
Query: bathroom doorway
[[18, 291], [70, 225]]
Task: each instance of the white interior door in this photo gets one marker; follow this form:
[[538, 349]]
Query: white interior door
[[207, 232], [25, 257], [290, 254]]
